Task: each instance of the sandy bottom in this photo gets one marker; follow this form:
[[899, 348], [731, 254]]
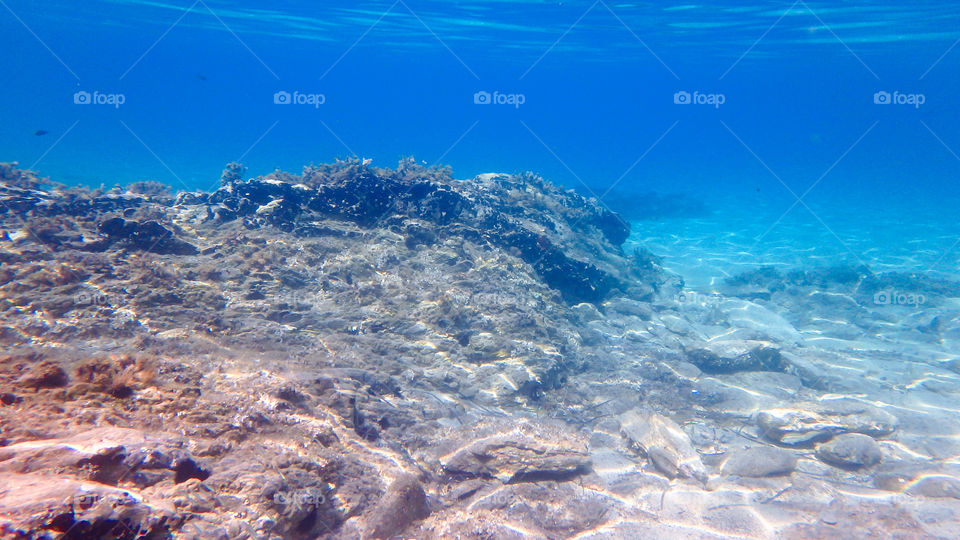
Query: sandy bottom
[[881, 357], [740, 236]]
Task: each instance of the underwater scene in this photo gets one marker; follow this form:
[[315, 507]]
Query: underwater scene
[[485, 269]]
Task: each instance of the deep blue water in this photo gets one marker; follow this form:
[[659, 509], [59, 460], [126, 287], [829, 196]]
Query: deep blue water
[[598, 81]]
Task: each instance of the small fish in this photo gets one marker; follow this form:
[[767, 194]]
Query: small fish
[[40, 132], [201, 77]]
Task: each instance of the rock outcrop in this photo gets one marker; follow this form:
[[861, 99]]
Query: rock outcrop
[[356, 352]]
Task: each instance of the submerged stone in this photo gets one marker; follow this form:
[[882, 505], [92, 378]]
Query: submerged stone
[[850, 450], [664, 443], [524, 453], [809, 423], [402, 504], [760, 461], [941, 486], [736, 355], [146, 236]]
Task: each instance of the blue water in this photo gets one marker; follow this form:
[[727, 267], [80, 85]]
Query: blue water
[[815, 134], [598, 81]]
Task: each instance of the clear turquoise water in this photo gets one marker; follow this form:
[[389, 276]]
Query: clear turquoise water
[[598, 81]]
